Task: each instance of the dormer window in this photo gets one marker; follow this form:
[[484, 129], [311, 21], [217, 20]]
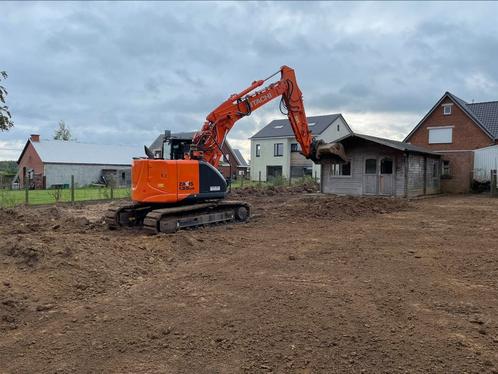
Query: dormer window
[[278, 126], [311, 124], [447, 109]]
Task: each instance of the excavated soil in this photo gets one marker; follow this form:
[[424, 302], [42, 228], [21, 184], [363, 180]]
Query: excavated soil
[[312, 284]]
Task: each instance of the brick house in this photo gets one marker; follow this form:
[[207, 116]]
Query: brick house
[[455, 129], [232, 164]]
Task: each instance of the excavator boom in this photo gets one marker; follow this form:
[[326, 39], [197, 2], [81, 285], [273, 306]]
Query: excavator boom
[[207, 143]]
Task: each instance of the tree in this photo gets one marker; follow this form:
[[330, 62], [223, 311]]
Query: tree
[[63, 132], [5, 117]]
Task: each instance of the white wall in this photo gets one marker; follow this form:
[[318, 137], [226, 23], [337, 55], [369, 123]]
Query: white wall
[[267, 158], [83, 174], [485, 160]]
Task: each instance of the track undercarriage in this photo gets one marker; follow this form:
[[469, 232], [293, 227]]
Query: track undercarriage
[[168, 219]]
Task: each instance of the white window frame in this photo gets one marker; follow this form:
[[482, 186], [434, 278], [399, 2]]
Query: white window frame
[[449, 107], [440, 128], [336, 170], [298, 147], [275, 149], [445, 170]]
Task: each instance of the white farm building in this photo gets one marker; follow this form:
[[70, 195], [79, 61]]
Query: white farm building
[[46, 164]]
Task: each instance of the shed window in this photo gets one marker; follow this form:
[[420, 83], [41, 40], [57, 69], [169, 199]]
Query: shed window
[[446, 170], [440, 135], [370, 166], [435, 169], [258, 150], [341, 169], [123, 176], [386, 166], [278, 149]]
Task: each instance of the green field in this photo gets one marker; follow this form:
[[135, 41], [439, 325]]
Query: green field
[[9, 198]]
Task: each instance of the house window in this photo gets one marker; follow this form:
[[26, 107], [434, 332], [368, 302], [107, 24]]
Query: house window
[[447, 109], [446, 171], [370, 166], [441, 135], [278, 149], [301, 171], [295, 147], [258, 150], [341, 169], [338, 127]]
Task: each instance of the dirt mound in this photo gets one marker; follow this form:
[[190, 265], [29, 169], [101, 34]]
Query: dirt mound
[[342, 206], [25, 220], [302, 187]]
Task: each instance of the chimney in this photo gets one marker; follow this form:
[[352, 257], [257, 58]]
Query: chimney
[[35, 137]]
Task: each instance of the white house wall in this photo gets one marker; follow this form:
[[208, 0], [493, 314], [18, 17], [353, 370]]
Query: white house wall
[[267, 158], [83, 174], [485, 160]]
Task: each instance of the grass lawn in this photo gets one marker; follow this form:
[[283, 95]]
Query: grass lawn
[[35, 197]]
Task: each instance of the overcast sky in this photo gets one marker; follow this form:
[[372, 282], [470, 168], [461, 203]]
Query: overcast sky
[[121, 73]]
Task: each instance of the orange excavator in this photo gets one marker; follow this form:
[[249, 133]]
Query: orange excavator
[[184, 187]]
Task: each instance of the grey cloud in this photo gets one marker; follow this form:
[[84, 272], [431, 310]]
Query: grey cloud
[[122, 72]]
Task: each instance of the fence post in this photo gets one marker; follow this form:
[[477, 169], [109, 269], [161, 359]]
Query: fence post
[[112, 191], [493, 183], [72, 188], [26, 193], [259, 179], [242, 177]]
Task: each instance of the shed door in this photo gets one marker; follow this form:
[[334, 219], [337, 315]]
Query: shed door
[[370, 182], [386, 179]]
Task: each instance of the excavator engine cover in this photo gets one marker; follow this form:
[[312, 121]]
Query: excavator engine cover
[[171, 181]]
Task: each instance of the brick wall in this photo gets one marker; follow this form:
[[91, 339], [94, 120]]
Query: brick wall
[[31, 160], [466, 136], [461, 166]]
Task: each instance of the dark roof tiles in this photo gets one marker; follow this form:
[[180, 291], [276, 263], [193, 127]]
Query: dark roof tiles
[[281, 128]]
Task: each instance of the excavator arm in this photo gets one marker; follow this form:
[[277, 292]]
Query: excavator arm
[[207, 143]]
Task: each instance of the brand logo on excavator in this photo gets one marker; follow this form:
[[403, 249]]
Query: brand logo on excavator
[[261, 99], [186, 186]]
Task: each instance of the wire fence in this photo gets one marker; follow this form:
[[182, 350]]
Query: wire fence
[[11, 198]]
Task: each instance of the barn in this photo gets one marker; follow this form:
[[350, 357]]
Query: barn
[[48, 164], [378, 166]]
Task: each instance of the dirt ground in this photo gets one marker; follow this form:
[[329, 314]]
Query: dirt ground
[[312, 284]]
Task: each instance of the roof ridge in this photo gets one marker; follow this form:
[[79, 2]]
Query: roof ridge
[[484, 102]]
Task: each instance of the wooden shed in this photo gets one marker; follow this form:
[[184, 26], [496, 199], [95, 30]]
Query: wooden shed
[[378, 166]]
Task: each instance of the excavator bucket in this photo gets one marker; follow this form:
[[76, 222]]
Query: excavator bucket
[[331, 151]]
